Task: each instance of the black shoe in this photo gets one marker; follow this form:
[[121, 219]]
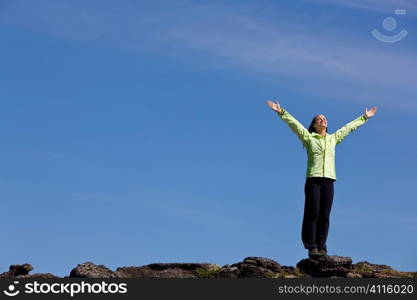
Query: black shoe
[[313, 253]]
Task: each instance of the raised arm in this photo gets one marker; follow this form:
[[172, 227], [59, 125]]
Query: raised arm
[[302, 133], [353, 125]]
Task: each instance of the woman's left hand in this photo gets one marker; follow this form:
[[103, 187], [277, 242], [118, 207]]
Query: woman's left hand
[[370, 113]]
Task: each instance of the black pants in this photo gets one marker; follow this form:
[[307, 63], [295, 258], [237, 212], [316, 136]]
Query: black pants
[[319, 193]]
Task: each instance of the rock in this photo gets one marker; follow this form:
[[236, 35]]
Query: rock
[[227, 271], [326, 266], [288, 268], [368, 270], [251, 267], [262, 262], [353, 275], [90, 270], [290, 271], [167, 270], [22, 271], [38, 275], [373, 267], [17, 270]]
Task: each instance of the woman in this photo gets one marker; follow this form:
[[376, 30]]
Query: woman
[[321, 173]]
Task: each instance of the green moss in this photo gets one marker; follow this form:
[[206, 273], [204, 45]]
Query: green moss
[[363, 268], [393, 273], [208, 273], [273, 275], [297, 273]]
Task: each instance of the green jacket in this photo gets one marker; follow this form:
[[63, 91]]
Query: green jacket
[[321, 150]]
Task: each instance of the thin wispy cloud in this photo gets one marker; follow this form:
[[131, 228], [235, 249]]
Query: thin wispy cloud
[[281, 49], [327, 56], [326, 60]]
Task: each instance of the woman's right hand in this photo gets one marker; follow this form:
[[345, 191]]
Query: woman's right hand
[[274, 106]]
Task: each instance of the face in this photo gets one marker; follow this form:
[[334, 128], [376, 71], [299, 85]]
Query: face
[[320, 121]]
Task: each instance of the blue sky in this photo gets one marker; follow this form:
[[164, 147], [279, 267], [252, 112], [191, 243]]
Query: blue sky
[[136, 132]]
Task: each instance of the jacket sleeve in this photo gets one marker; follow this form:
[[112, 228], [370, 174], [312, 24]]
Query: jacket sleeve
[[349, 127], [302, 133]]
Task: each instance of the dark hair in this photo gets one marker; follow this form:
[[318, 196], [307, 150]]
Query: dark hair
[[311, 128]]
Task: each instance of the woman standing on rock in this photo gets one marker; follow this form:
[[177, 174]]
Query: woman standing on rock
[[321, 173]]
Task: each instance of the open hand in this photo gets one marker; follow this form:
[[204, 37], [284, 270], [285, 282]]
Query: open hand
[[274, 106], [370, 113]]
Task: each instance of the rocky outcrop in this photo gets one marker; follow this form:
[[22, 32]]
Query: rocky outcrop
[[167, 270], [327, 266], [250, 267], [22, 271], [90, 270], [368, 270], [17, 270]]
